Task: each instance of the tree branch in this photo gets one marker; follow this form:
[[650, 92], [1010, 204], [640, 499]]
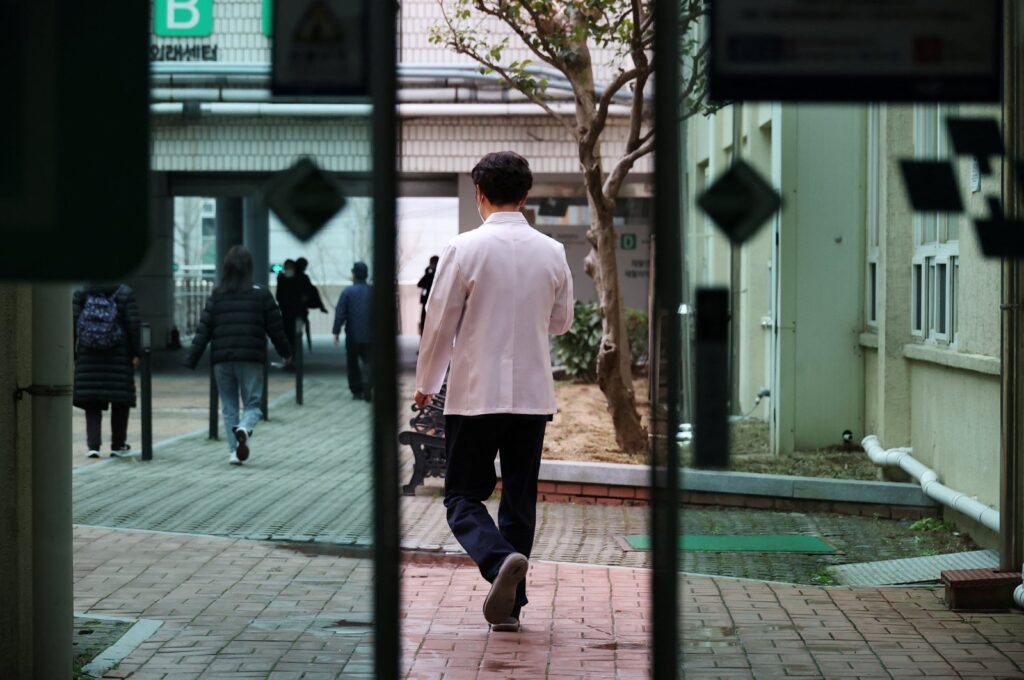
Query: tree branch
[[461, 47], [613, 184]]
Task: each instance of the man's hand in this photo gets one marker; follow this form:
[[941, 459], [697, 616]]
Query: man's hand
[[337, 340], [422, 400], [286, 361], [136, 362]]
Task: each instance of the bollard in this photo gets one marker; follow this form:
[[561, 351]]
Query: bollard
[[297, 359], [147, 393], [265, 399], [214, 405], [711, 373]]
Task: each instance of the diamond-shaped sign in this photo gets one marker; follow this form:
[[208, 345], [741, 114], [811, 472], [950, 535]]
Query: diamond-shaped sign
[[739, 202], [932, 186], [304, 198]]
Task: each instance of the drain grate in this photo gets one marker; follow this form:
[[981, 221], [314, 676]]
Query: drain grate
[[912, 569]]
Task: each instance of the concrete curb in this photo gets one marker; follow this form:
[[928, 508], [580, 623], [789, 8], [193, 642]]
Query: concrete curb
[[739, 483], [128, 643]]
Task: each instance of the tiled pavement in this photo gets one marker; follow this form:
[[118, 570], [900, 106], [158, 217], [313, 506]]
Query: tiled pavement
[[242, 608], [247, 609]]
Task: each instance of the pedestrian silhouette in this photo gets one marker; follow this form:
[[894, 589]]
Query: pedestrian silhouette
[[236, 321], [353, 312], [107, 349]]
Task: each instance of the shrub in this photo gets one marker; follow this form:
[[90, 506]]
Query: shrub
[[577, 350]]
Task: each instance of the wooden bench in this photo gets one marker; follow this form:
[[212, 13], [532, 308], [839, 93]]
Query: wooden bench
[[426, 439]]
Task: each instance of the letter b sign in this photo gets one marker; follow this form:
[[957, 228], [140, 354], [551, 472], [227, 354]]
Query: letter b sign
[[183, 17]]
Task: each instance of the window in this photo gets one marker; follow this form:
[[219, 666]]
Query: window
[[934, 276], [871, 294]]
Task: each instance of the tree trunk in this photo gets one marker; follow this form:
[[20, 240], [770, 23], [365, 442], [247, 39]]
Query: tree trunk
[[614, 365]]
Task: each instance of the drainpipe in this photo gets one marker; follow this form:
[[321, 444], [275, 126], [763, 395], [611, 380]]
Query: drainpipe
[[735, 260], [929, 481], [1011, 458]]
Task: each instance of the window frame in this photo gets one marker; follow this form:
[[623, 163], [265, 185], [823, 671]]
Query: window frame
[[932, 256]]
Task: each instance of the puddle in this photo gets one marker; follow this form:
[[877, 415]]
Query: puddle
[[623, 646], [330, 549]]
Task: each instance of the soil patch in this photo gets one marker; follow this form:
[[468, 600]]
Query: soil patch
[[583, 431]]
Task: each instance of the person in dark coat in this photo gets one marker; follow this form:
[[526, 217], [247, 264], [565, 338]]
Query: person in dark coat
[[289, 298], [308, 294], [353, 313], [105, 377], [236, 321], [425, 284]]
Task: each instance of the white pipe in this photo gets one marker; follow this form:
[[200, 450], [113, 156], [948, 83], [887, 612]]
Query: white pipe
[[421, 95], [1018, 595], [413, 110], [929, 482]]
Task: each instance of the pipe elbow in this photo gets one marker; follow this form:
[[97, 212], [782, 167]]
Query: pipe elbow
[[1018, 595]]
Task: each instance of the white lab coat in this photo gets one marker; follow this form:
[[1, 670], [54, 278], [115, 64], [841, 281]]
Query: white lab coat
[[500, 290]]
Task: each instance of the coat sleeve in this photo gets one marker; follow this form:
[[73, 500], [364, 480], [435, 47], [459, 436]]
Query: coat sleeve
[[274, 322], [77, 300], [203, 333], [444, 314], [340, 312], [132, 322], [562, 310]]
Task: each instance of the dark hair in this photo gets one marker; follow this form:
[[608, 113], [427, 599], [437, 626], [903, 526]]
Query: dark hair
[[289, 262], [504, 177], [435, 258], [301, 264], [236, 273]]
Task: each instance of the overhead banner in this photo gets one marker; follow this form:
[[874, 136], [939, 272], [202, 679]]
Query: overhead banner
[[856, 50]]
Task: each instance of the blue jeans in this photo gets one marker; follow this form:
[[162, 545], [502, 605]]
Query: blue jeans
[[239, 380]]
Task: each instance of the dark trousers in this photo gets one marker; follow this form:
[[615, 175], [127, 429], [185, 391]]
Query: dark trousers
[[118, 426], [358, 356], [472, 443]]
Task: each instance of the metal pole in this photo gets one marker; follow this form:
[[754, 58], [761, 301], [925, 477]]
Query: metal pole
[[265, 400], [147, 393], [385, 131], [214, 404], [1011, 454], [668, 285], [52, 606], [297, 359]]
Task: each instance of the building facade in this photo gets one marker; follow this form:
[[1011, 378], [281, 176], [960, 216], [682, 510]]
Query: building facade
[[857, 313]]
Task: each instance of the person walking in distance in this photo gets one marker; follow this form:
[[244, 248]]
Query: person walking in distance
[[236, 321], [289, 298], [499, 292], [353, 312], [425, 282], [107, 349]]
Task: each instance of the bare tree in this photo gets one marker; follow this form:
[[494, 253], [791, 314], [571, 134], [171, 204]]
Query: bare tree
[[562, 34], [188, 230]]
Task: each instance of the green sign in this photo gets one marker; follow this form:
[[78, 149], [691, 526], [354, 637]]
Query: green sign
[[183, 17], [627, 241], [268, 17]]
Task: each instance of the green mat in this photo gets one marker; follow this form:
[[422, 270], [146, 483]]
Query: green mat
[[788, 543]]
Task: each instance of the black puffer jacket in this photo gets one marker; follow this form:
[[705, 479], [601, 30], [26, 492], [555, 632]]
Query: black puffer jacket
[[104, 376], [237, 325]]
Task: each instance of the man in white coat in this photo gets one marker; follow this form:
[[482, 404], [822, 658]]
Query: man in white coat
[[499, 291]]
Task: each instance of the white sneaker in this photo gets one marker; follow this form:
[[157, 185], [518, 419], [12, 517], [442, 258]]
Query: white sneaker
[[233, 460], [92, 454]]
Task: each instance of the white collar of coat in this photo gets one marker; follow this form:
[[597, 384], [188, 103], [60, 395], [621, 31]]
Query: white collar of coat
[[507, 218]]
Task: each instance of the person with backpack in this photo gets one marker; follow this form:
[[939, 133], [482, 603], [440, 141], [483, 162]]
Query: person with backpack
[[236, 321], [107, 349]]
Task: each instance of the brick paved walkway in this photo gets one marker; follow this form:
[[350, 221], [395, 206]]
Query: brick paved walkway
[[247, 609]]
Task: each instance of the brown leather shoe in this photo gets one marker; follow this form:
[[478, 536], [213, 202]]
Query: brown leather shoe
[[502, 598]]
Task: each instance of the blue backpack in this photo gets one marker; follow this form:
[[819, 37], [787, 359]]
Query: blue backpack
[[98, 325]]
